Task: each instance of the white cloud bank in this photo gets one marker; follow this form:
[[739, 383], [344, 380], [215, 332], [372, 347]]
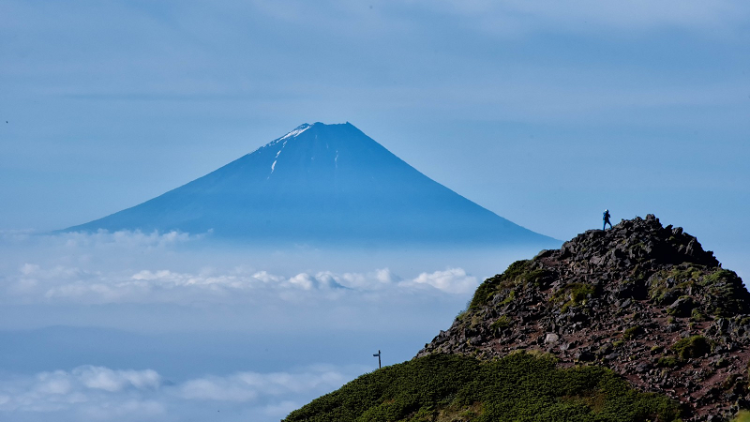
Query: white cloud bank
[[33, 283], [100, 393], [453, 280], [150, 282], [134, 267]]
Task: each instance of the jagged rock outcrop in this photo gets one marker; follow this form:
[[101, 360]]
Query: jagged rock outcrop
[[641, 299]]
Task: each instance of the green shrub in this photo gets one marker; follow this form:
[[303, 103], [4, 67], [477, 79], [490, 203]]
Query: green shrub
[[574, 294], [697, 316], [501, 323], [692, 347], [632, 332], [579, 292], [667, 362], [518, 274], [539, 278], [509, 298], [728, 294], [489, 287], [681, 279]]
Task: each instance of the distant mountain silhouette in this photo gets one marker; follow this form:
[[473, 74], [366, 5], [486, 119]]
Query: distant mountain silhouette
[[321, 183]]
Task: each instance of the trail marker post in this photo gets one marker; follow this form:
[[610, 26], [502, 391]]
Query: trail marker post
[[378, 356]]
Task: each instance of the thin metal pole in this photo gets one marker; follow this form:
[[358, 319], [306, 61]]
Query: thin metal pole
[[378, 356]]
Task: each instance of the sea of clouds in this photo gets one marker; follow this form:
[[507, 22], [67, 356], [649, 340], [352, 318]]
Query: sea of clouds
[[133, 326], [105, 268], [102, 394], [59, 283]]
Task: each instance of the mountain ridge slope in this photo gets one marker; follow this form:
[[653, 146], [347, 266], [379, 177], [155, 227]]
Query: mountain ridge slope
[[636, 323], [643, 300]]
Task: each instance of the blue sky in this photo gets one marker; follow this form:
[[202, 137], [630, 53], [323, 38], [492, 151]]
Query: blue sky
[[545, 112]]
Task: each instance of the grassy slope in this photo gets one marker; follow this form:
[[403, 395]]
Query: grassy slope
[[519, 387]]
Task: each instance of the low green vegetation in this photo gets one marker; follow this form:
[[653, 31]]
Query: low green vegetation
[[490, 287], [510, 297], [519, 274], [725, 293], [692, 347], [667, 362], [574, 294], [673, 282], [637, 275], [519, 387], [632, 332], [697, 316], [502, 323], [730, 297]]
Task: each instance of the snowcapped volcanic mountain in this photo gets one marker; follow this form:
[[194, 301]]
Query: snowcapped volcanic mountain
[[321, 184]]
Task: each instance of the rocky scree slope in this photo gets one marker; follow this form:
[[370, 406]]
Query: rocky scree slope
[[641, 299]]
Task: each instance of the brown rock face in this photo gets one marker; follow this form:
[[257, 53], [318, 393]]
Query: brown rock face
[[642, 299]]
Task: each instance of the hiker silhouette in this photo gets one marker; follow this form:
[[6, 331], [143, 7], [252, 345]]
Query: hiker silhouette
[[606, 220]]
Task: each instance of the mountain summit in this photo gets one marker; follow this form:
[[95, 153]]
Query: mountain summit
[[641, 299], [320, 183], [636, 323]]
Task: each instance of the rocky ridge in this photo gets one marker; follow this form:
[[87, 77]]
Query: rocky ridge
[[641, 299]]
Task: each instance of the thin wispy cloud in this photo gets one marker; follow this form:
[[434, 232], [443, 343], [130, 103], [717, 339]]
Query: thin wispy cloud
[[580, 16], [100, 239]]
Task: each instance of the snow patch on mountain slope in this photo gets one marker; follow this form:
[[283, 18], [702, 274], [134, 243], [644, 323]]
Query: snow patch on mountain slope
[[273, 165], [296, 132]]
